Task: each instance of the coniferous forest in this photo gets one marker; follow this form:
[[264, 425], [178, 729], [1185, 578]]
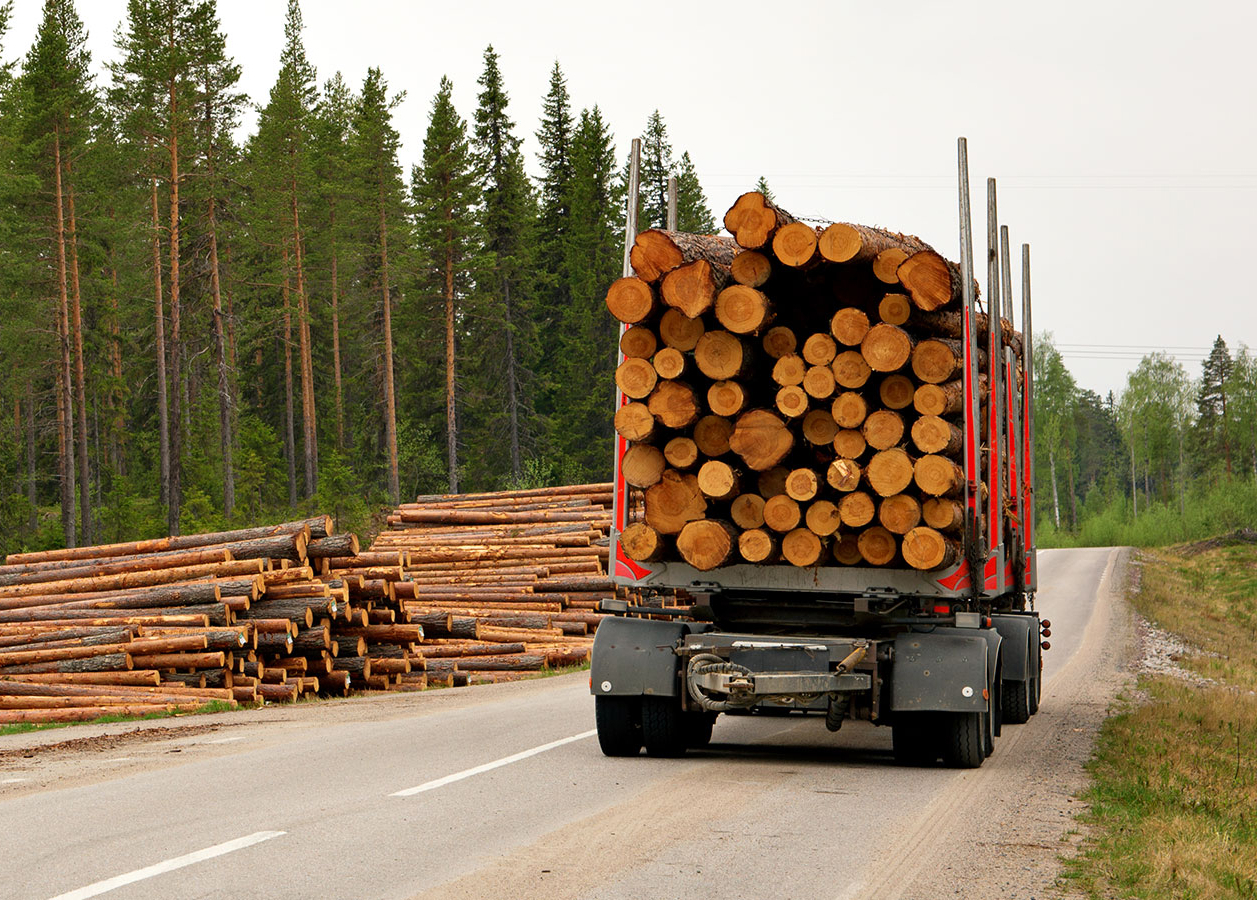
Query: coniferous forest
[[202, 329]]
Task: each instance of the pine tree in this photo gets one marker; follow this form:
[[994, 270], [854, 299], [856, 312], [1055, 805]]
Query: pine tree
[[445, 195], [1212, 426], [761, 185], [693, 213], [657, 167]]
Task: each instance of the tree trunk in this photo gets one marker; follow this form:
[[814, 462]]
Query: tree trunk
[[220, 359], [512, 382], [1056, 497], [176, 350], [340, 395], [290, 438], [163, 406], [32, 493], [65, 400], [309, 432], [80, 375], [390, 401], [117, 402]]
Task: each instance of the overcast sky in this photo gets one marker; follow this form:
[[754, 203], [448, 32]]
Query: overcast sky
[[1122, 134]]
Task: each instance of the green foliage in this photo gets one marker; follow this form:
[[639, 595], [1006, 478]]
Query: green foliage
[[693, 213]]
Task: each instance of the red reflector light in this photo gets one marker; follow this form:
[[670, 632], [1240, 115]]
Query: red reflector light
[[942, 609]]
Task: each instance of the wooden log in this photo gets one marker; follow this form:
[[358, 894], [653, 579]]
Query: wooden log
[[789, 369], [822, 518], [311, 640], [802, 484], [849, 410], [850, 369], [900, 513], [886, 265], [883, 429], [747, 511], [938, 360], [761, 439], [889, 472], [818, 382], [675, 501], [943, 514], [712, 434], [849, 326], [794, 245], [743, 310], [782, 513], [844, 475], [886, 348], [945, 399], [844, 242], [680, 453], [679, 331], [720, 355], [634, 422], [642, 465], [718, 480], [135, 678], [819, 427], [636, 378], [802, 548], [693, 287], [754, 219], [88, 713], [932, 434], [35, 573], [895, 309], [938, 476], [642, 543], [210, 659], [655, 252], [779, 341], [631, 300], [926, 549], [133, 598], [791, 401], [877, 545], [847, 551], [674, 404], [670, 363], [726, 398], [109, 662], [757, 545], [639, 342], [124, 580], [772, 482], [278, 693], [951, 323], [751, 268], [931, 281], [707, 544]]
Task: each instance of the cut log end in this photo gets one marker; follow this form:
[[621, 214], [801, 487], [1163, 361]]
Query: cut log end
[[883, 429], [642, 465], [889, 472], [641, 543], [638, 342], [631, 300], [844, 475], [634, 422], [679, 331], [849, 326], [802, 484], [877, 546], [850, 370], [761, 439], [742, 309], [751, 268], [782, 513], [779, 341], [681, 452], [802, 548], [636, 378], [822, 518], [886, 348], [926, 549], [757, 546], [707, 544], [794, 244], [747, 511]]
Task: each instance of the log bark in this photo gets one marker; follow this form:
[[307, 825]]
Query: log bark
[[674, 502], [751, 268], [707, 544], [794, 245], [636, 378], [877, 545], [822, 518], [802, 548], [720, 355], [631, 300], [951, 323], [754, 219], [679, 331], [336, 545], [673, 404], [900, 513], [656, 252], [883, 429], [782, 513], [742, 309], [889, 472], [850, 369], [761, 439], [926, 549], [758, 546], [642, 465]]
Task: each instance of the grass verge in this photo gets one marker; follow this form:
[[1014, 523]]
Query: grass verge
[[1173, 804], [213, 706]]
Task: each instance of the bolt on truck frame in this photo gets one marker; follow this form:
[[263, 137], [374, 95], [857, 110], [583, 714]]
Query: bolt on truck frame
[[944, 658]]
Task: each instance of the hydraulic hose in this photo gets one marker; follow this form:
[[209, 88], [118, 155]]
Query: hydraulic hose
[[710, 664]]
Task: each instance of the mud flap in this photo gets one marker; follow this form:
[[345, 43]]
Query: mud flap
[[634, 657], [940, 672]]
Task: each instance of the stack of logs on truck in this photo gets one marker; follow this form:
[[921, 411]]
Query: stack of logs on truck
[[793, 394]]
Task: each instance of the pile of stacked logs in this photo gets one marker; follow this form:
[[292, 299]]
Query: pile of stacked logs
[[504, 583], [793, 394], [170, 624]]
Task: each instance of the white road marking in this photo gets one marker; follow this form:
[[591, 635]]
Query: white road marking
[[109, 884], [121, 759], [227, 740], [12, 780], [497, 763]]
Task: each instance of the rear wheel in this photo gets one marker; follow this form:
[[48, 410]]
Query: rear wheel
[[1016, 700], [698, 728], [664, 729], [914, 739], [1037, 690], [964, 739], [619, 721]]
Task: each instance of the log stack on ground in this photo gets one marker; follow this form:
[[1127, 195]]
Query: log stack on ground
[[811, 413]]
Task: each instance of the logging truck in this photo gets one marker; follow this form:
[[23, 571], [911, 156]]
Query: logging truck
[[852, 529]]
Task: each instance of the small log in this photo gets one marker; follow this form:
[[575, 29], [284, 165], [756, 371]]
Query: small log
[[638, 342], [747, 511], [900, 513], [849, 326], [693, 287], [680, 453], [679, 331], [802, 548], [669, 363], [717, 480], [931, 281], [673, 404], [751, 268], [819, 349], [782, 513], [720, 355], [656, 251], [789, 369], [726, 398], [631, 300], [938, 476], [634, 422], [850, 443], [926, 549], [844, 475], [938, 360], [802, 484], [849, 410], [895, 309], [742, 309], [819, 427], [943, 514], [772, 482], [886, 348], [819, 383], [847, 551], [754, 219], [822, 518], [932, 434], [758, 546], [794, 245], [889, 472], [850, 369], [791, 401], [636, 378], [896, 392], [761, 439], [877, 545], [945, 399], [213, 659], [675, 501], [883, 429], [707, 544], [844, 242], [886, 265], [712, 435], [642, 465], [778, 341]]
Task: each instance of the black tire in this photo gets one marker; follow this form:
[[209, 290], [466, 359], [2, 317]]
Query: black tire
[[1016, 699], [698, 729], [619, 721], [663, 726], [964, 739], [1037, 690], [914, 739]]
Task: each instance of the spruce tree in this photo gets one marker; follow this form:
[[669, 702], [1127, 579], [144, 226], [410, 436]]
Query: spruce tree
[[444, 195], [761, 185], [693, 213], [1212, 426], [657, 167]]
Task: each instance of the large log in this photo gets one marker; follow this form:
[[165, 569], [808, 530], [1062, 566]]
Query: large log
[[642, 465], [938, 476], [802, 484], [819, 383], [634, 422], [631, 300], [98, 569], [712, 435], [894, 309], [896, 392], [844, 475], [849, 409], [819, 349], [802, 548], [847, 551], [843, 242], [742, 309], [931, 281], [761, 439], [794, 244], [675, 501], [789, 369], [693, 287], [931, 434], [877, 545], [718, 480], [849, 326], [819, 427], [791, 401], [747, 511], [680, 453], [754, 219], [926, 549], [720, 355], [674, 404], [679, 331], [822, 518], [889, 472], [900, 513], [639, 342], [782, 513], [951, 323], [707, 544], [636, 378], [751, 268], [656, 251], [135, 579], [886, 348], [938, 360], [850, 369], [670, 363], [943, 514], [726, 398], [883, 429]]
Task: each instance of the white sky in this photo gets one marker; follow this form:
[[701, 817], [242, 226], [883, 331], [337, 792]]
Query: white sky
[[1122, 134]]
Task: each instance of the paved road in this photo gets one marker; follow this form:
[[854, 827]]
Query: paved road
[[514, 799]]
